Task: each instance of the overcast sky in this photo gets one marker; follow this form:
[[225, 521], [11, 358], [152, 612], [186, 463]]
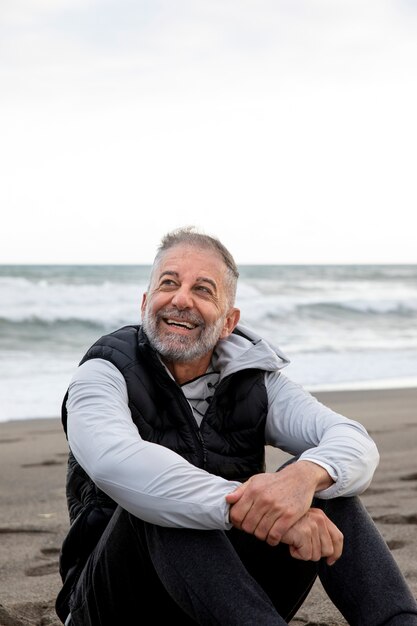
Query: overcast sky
[[288, 128]]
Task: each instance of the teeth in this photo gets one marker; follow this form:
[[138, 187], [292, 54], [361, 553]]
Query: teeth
[[184, 324]]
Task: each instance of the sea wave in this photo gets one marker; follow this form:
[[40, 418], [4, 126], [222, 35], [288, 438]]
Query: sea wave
[[36, 335], [339, 325], [114, 308]]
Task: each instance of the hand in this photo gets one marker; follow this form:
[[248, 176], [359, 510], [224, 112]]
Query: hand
[[314, 536], [268, 505]]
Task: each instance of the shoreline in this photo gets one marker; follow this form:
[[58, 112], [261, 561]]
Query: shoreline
[[409, 382], [320, 391], [34, 519]]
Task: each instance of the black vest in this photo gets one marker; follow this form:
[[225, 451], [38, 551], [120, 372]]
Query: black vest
[[229, 443]]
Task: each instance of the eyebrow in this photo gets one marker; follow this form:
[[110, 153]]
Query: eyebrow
[[199, 279]]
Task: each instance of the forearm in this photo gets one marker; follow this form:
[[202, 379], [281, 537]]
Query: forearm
[[299, 424], [151, 481], [269, 504], [316, 475]]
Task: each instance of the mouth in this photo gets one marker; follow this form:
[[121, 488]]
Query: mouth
[[180, 324]]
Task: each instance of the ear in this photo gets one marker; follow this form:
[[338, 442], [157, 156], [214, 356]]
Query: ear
[[230, 323], [143, 305]]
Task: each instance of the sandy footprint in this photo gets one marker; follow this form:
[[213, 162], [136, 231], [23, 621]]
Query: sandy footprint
[[396, 518], [47, 566], [50, 551], [373, 491], [6, 619], [396, 544], [47, 462], [409, 477], [6, 530], [43, 570], [10, 440]]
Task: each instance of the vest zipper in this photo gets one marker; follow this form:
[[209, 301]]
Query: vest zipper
[[200, 436], [203, 445], [194, 428]]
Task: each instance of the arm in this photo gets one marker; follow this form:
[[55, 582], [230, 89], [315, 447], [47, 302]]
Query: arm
[[337, 457], [277, 508], [301, 425], [269, 504], [149, 480]]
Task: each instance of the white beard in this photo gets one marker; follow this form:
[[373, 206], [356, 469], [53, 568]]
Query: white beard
[[176, 347]]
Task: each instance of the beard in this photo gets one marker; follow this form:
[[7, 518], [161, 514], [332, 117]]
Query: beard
[[175, 347]]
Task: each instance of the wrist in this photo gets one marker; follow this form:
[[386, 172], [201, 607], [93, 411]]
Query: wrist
[[316, 474]]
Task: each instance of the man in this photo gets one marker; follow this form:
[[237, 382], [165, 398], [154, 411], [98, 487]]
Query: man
[[173, 516]]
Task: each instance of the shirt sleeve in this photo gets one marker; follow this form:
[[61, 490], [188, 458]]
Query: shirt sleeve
[[148, 480], [299, 424]]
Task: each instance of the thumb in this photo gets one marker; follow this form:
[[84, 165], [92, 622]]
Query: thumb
[[234, 496]]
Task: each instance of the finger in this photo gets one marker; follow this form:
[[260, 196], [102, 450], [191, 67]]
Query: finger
[[235, 495], [303, 548], [326, 541], [331, 539], [337, 542], [267, 529], [316, 543], [283, 524], [239, 512], [253, 518], [299, 553]]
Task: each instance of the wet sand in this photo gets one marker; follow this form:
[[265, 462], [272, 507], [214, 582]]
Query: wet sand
[[34, 520]]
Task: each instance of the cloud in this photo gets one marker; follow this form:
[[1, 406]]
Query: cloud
[[200, 47], [290, 118]]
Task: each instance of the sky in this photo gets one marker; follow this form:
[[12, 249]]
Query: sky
[[287, 128]]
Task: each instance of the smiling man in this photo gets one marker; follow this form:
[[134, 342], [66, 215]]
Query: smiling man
[[173, 516], [188, 308]]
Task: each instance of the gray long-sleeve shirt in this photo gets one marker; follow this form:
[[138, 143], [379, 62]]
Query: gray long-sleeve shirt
[[159, 486]]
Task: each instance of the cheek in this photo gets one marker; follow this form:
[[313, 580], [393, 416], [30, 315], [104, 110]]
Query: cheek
[[146, 306], [154, 304]]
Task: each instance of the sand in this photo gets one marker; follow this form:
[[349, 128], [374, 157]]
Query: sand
[[34, 520]]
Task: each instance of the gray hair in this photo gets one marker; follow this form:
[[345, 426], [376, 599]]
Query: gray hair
[[190, 236]]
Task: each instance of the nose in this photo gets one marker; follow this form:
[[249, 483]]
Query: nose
[[182, 299]]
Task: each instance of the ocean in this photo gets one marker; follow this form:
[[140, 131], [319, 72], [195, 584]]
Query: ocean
[[342, 327]]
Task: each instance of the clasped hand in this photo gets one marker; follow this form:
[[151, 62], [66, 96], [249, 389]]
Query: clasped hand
[[276, 507]]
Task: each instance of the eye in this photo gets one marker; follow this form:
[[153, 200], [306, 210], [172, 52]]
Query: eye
[[204, 290], [167, 282]]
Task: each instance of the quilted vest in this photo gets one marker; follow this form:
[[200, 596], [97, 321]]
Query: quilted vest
[[229, 443]]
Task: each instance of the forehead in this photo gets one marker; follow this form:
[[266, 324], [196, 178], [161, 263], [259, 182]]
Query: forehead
[[190, 261]]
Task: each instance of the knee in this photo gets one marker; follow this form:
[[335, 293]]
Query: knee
[[344, 510]]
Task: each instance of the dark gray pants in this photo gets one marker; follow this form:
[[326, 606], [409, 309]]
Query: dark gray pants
[[231, 578]]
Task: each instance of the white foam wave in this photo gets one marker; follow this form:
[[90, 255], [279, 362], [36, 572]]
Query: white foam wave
[[107, 302], [339, 326]]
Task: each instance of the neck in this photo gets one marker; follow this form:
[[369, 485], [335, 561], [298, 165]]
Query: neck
[[183, 372]]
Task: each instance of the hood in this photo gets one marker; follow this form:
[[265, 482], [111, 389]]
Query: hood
[[245, 349]]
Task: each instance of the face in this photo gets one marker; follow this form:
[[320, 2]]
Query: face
[[186, 312]]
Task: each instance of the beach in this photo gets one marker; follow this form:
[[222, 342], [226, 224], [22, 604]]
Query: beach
[[34, 519]]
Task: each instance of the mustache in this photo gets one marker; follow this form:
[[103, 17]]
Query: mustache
[[184, 316]]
